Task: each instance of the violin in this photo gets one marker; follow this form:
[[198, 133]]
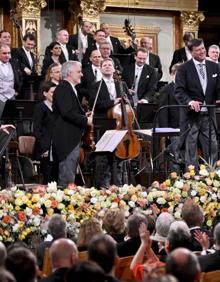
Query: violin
[[129, 147]]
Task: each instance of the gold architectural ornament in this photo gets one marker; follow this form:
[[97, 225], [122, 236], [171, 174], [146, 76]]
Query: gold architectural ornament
[[92, 8], [30, 7], [191, 21], [75, 11]]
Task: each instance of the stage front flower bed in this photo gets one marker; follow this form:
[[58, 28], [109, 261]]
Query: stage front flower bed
[[23, 213]]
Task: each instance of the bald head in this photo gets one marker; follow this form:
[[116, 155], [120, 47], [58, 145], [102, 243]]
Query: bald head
[[3, 254], [184, 265], [63, 253]]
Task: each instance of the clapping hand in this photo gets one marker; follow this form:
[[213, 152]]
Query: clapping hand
[[145, 235], [202, 238]]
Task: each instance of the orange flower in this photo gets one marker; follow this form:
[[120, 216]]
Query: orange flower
[[84, 206], [21, 216], [53, 204], [7, 219], [36, 211]]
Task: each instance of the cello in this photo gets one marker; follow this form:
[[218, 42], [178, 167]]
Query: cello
[[129, 147]]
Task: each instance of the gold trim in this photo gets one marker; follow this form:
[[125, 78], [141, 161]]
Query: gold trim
[[1, 18]]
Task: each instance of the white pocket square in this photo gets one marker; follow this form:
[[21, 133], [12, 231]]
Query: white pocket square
[[147, 76], [214, 74]]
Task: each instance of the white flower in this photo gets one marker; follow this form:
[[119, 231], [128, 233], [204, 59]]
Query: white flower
[[131, 204], [93, 200], [214, 196], [177, 214], [36, 221], [203, 172], [28, 211], [114, 205], [144, 194], [178, 184], [52, 187], [203, 199], [161, 201], [193, 193]]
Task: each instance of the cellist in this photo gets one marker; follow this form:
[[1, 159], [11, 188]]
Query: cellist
[[109, 169]]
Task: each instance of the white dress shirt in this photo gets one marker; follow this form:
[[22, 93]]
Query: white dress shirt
[[97, 73], [111, 88], [65, 51]]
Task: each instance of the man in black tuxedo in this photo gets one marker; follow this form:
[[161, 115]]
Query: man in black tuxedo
[[27, 61], [211, 262], [152, 59], [109, 170], [67, 51], [141, 78], [10, 77], [197, 85], [70, 122], [84, 37], [116, 46], [183, 54]]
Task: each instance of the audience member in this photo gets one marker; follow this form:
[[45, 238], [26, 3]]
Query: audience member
[[183, 54], [130, 246], [192, 214], [42, 130], [141, 79], [3, 254], [54, 57], [85, 271], [67, 51], [6, 276], [152, 59], [63, 254], [22, 263], [57, 229], [102, 250], [53, 73], [184, 265], [213, 53], [211, 262], [88, 229], [114, 224], [10, 77], [162, 278], [26, 58]]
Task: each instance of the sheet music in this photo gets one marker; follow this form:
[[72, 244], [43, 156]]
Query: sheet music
[[110, 140], [165, 130]]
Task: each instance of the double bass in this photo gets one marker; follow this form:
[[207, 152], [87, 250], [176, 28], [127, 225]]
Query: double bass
[[129, 147]]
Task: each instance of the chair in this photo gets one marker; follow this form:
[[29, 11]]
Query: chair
[[212, 276], [47, 267], [122, 269], [28, 168]]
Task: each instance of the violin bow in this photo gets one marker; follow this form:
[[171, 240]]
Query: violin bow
[[96, 98]]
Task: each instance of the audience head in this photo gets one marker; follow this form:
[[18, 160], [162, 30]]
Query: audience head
[[217, 236], [213, 53], [192, 214], [3, 254], [63, 253], [178, 236], [47, 89], [174, 70], [184, 265], [102, 250], [6, 276], [5, 53], [72, 71], [163, 223], [147, 43], [29, 41], [197, 48], [99, 36], [140, 57], [105, 27], [55, 49], [162, 278], [22, 263], [96, 58], [86, 27], [107, 67], [57, 225], [133, 223], [62, 36], [114, 221], [5, 37], [88, 229], [53, 73], [105, 49], [85, 271], [187, 37]]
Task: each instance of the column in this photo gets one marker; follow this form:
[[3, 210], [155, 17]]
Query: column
[[191, 20]]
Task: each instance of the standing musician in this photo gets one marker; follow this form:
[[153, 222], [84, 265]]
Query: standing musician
[[70, 122], [109, 169]]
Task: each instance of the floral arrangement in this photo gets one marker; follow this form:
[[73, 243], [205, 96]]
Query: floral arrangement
[[24, 213]]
